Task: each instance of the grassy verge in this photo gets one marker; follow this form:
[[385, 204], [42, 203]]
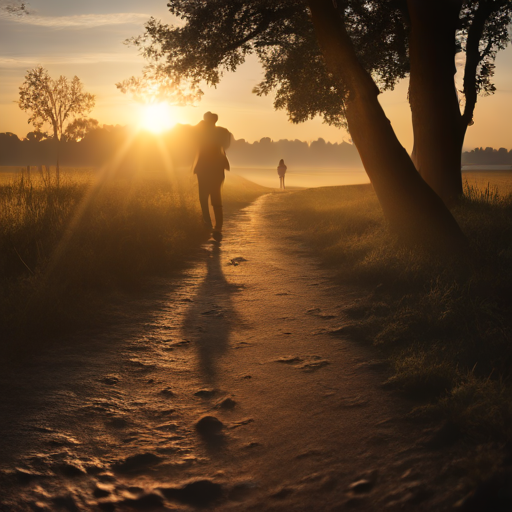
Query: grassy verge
[[67, 247], [446, 330]]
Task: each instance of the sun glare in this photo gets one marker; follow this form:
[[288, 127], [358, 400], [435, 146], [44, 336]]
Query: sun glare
[[157, 118]]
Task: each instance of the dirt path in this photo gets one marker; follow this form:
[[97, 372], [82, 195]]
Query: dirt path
[[298, 419]]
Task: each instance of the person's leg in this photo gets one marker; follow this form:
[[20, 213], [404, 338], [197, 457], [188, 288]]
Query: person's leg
[[204, 194], [216, 196], [283, 183]]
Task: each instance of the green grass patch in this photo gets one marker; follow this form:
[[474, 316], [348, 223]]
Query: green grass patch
[[68, 246], [446, 327]]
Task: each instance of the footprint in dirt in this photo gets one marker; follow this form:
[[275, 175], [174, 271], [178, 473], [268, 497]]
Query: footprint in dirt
[[198, 493], [169, 345], [314, 364], [289, 360], [227, 404], [319, 314], [141, 366], [236, 261], [136, 463], [211, 431], [308, 363], [110, 380], [167, 392], [206, 393]]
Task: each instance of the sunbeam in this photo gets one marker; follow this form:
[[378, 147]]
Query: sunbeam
[[104, 173]]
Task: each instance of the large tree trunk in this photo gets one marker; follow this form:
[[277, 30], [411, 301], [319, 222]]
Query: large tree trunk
[[410, 205], [437, 122]]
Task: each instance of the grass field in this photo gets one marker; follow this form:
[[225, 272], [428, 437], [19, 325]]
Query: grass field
[[445, 328], [492, 179], [500, 181], [66, 246]]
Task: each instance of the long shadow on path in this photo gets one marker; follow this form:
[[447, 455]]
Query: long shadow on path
[[212, 317]]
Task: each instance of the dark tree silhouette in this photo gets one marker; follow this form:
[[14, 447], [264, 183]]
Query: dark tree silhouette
[[361, 49], [16, 9], [438, 30], [487, 156], [79, 128], [36, 136]]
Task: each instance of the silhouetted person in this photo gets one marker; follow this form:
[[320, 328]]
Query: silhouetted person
[[281, 171], [210, 163]]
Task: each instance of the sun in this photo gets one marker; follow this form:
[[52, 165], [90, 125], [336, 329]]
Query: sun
[[157, 117]]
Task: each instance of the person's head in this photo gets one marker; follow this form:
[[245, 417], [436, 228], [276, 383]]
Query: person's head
[[281, 162], [210, 118]]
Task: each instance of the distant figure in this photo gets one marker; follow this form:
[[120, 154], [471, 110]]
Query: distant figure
[[281, 171], [210, 163]]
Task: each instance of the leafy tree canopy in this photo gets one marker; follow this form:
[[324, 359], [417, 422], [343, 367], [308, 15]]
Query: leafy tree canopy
[[16, 8], [216, 36], [36, 136], [79, 128]]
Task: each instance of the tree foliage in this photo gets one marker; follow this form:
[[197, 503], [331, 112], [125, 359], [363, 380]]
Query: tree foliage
[[484, 30], [36, 136], [79, 128], [214, 37], [53, 101], [16, 9]]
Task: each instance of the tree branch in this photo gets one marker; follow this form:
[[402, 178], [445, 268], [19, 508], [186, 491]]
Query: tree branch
[[473, 59], [338, 50], [257, 31]]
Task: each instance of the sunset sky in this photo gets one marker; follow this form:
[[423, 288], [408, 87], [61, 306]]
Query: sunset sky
[[71, 37]]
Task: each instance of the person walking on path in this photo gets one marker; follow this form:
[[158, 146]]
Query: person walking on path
[[281, 171], [209, 166]]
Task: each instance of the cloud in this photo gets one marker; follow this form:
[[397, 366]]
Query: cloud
[[78, 21], [89, 58]]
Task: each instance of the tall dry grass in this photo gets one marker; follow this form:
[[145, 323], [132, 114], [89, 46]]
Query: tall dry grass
[[67, 245]]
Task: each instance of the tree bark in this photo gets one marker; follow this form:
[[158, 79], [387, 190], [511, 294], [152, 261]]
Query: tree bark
[[437, 122], [411, 206]]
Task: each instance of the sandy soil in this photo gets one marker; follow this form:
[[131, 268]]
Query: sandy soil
[[229, 387]]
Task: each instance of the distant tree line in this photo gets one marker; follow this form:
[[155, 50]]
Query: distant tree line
[[87, 144], [90, 145], [95, 148], [487, 156], [296, 153]]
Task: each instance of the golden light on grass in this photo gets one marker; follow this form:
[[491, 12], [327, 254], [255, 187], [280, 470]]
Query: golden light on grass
[[157, 117]]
